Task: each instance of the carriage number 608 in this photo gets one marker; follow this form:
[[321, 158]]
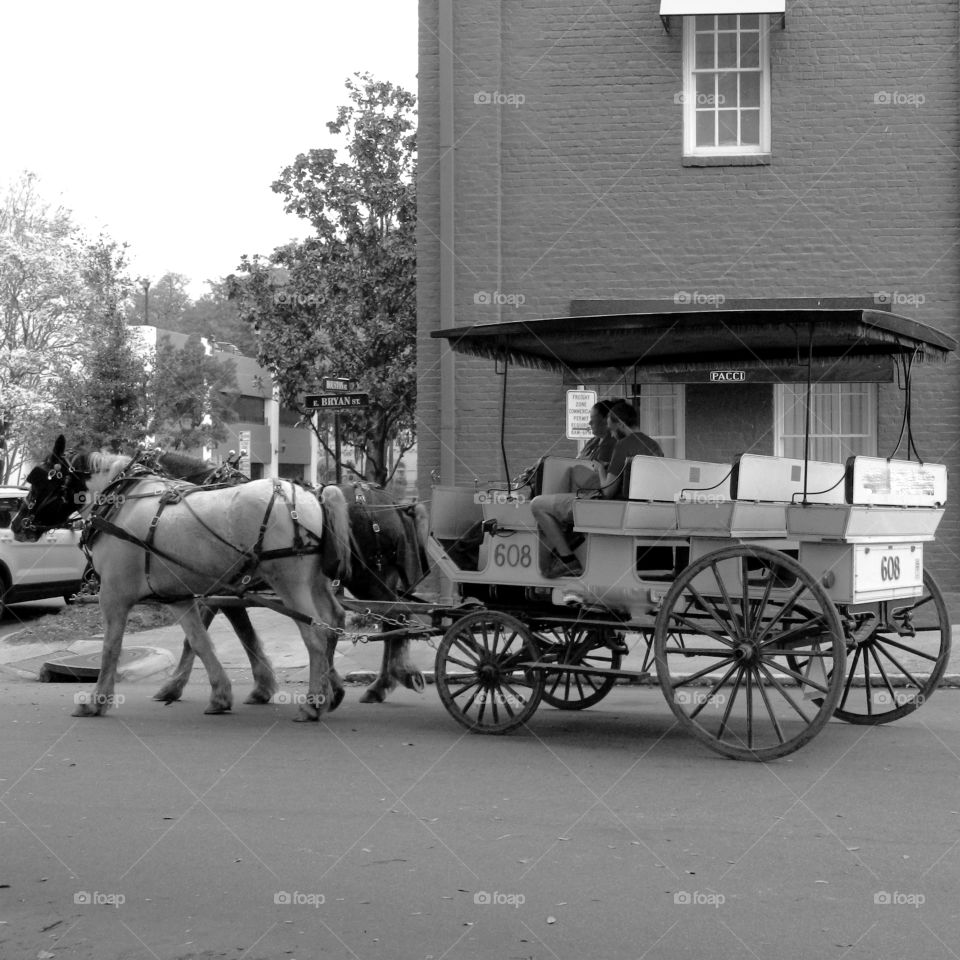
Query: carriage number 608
[[512, 556], [890, 568]]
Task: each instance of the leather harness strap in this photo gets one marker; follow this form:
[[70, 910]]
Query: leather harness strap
[[178, 494]]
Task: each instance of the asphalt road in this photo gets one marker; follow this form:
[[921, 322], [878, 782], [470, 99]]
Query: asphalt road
[[389, 832]]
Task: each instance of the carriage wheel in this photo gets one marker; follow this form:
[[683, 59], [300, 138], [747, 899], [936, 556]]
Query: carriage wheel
[[724, 639], [478, 672], [574, 645], [894, 668]]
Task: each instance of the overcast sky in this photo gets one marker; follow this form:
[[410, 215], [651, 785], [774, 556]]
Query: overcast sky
[[165, 123]]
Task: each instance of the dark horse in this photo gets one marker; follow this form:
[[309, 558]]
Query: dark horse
[[388, 559], [388, 547]]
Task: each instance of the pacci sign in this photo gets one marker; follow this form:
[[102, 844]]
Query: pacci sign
[[727, 376]]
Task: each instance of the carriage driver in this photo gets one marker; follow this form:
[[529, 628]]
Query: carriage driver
[[554, 511]]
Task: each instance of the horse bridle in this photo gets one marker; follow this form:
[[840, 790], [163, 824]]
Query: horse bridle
[[62, 494]]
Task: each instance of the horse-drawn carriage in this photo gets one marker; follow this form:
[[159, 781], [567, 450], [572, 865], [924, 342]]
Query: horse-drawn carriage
[[768, 593]]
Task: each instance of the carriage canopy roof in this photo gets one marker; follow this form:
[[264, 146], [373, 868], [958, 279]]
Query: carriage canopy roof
[[663, 336]]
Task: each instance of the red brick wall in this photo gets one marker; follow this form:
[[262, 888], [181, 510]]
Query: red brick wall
[[579, 192]]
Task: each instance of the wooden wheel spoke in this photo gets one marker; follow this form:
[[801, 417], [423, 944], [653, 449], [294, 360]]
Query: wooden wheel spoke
[[721, 730], [782, 690], [851, 672], [901, 667], [775, 722], [913, 651], [735, 621], [801, 679], [713, 690], [702, 673]]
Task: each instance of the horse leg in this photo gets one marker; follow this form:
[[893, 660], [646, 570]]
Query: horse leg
[[265, 681], [221, 695], [173, 688], [114, 612], [395, 665], [324, 598]]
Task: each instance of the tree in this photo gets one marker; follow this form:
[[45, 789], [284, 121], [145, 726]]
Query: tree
[[342, 303], [190, 395], [168, 301], [42, 305], [105, 406], [216, 316]]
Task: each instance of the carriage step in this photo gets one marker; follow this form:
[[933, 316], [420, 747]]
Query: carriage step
[[548, 667]]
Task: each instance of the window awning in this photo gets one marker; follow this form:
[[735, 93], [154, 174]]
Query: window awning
[[689, 8], [685, 339]]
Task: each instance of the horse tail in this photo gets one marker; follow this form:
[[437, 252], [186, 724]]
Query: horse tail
[[336, 540]]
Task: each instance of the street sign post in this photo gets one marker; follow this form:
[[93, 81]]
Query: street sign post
[[335, 401], [339, 383]]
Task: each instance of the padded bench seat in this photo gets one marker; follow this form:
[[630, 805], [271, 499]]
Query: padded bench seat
[[655, 485], [761, 489], [884, 501]]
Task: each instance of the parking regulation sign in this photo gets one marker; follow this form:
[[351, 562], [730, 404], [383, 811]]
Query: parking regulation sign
[[579, 403]]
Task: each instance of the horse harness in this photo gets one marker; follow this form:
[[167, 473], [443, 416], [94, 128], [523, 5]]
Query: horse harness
[[101, 521]]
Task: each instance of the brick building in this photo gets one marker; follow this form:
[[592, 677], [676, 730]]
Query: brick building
[[579, 159]]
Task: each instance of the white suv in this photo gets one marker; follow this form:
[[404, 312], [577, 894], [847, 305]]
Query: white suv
[[51, 567]]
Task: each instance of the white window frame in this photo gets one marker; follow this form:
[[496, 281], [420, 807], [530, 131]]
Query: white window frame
[[870, 447], [678, 434], [690, 148]]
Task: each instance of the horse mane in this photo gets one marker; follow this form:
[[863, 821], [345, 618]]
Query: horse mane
[[108, 463], [180, 465]]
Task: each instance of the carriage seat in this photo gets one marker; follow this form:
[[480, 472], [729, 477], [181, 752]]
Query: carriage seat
[[760, 490], [884, 500], [655, 485]]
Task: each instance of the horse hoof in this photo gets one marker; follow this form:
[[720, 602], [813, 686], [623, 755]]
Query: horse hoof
[[259, 697], [216, 708], [167, 696], [414, 681], [372, 696], [86, 710], [305, 715], [336, 699]]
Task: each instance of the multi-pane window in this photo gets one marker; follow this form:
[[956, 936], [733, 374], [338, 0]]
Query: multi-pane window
[[843, 420], [726, 85], [662, 414]]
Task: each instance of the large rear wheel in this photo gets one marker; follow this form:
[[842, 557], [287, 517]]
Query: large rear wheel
[[727, 638], [899, 650], [480, 674]]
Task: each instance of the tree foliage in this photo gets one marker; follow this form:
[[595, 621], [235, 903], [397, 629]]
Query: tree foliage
[[104, 405], [42, 306], [190, 395], [342, 303]]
